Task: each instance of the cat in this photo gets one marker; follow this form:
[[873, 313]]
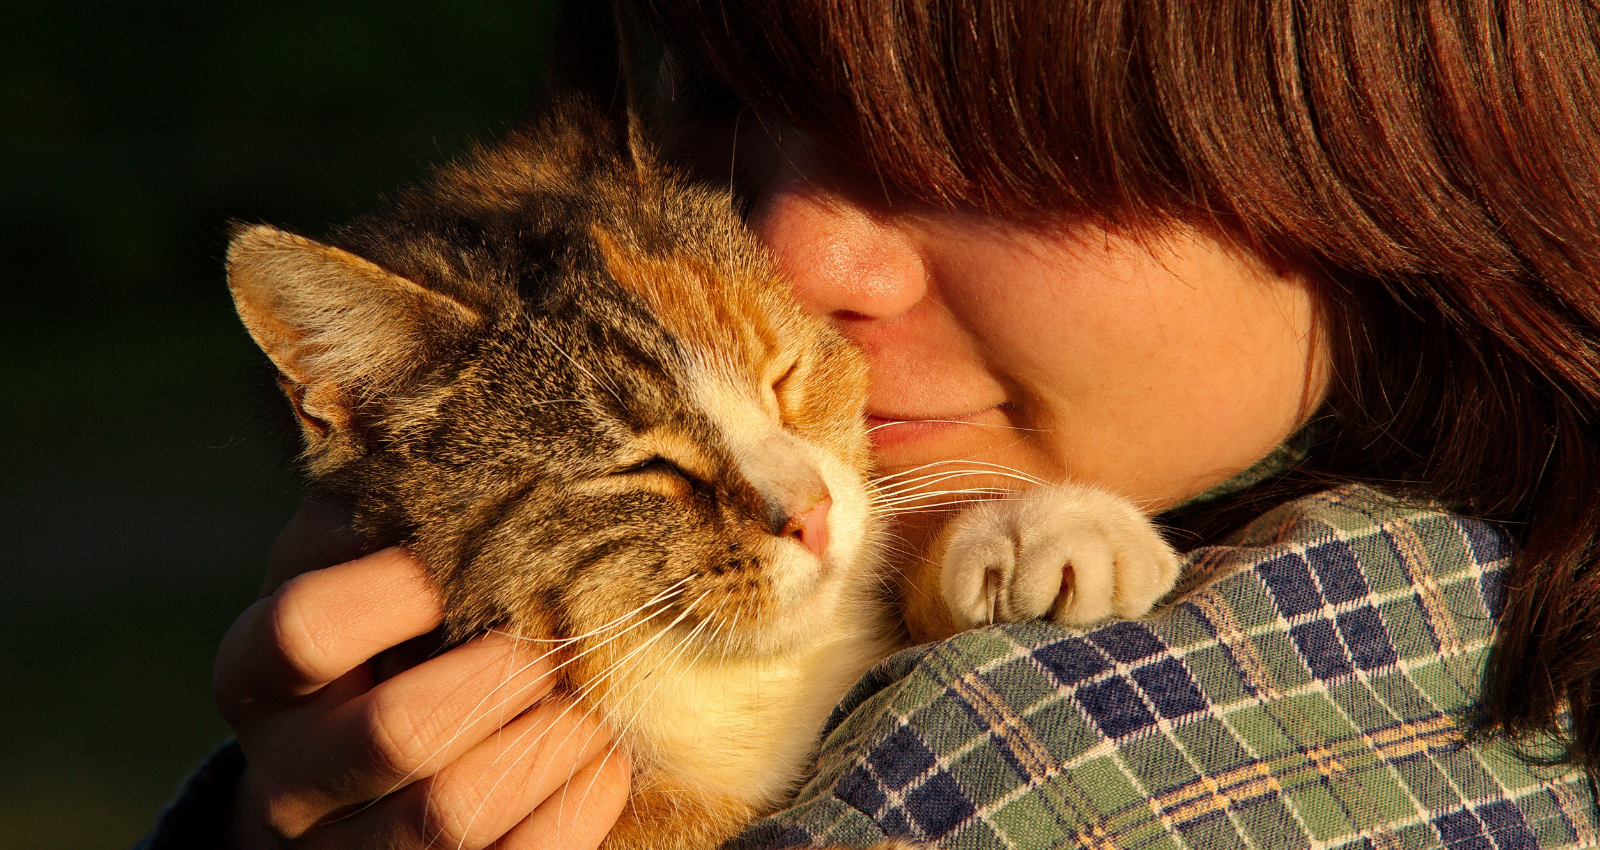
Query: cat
[[573, 385]]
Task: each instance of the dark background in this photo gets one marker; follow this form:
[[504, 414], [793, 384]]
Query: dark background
[[138, 491]]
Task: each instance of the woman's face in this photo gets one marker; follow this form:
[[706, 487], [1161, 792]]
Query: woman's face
[[1154, 365]]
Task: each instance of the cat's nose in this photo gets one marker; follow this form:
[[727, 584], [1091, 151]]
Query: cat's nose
[[809, 525]]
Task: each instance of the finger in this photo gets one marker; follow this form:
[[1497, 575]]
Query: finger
[[340, 691], [318, 535], [581, 813], [323, 759], [318, 627], [486, 792], [273, 750], [414, 724]]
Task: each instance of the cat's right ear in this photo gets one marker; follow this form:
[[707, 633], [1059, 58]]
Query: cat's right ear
[[340, 329], [599, 51]]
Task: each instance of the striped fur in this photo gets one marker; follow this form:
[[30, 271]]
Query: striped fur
[[572, 384]]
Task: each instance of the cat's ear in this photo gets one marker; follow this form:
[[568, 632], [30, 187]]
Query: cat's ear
[[601, 51], [339, 328]]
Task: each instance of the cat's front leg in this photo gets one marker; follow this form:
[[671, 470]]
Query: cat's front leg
[[1070, 552]]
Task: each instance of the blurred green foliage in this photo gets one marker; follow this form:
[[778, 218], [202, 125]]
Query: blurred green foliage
[[138, 491]]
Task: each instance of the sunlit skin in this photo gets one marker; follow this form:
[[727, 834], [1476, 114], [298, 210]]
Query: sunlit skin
[[1154, 364]]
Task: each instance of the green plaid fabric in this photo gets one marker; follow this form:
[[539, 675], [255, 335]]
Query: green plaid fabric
[[1310, 689]]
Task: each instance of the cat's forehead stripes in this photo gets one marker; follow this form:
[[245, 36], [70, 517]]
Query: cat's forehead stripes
[[740, 319]]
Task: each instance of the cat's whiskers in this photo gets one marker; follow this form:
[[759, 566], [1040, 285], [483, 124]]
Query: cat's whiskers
[[908, 491], [471, 716], [895, 422], [665, 630], [600, 677], [617, 738], [890, 505], [663, 597], [900, 488], [911, 490], [943, 507], [917, 485], [672, 590], [678, 654], [922, 495], [912, 471], [977, 467], [947, 462], [567, 642], [580, 367], [677, 651], [671, 656], [574, 701]]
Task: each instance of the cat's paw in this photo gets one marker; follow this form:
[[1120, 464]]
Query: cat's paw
[[1070, 552]]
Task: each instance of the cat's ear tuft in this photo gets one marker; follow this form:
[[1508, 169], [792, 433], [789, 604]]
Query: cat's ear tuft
[[601, 51], [340, 328]]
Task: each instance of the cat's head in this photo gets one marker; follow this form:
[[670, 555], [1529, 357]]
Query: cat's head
[[580, 392]]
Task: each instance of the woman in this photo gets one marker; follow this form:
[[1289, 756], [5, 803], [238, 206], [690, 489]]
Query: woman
[[1222, 261]]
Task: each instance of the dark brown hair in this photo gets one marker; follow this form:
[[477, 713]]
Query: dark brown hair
[[1436, 164]]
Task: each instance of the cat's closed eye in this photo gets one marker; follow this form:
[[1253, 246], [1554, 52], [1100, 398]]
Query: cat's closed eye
[[662, 470], [782, 394]]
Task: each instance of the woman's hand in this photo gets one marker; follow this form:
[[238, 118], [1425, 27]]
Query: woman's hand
[[458, 751]]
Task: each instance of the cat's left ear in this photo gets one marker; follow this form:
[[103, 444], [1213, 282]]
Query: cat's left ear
[[340, 329]]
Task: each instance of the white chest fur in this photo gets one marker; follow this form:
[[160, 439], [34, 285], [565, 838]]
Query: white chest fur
[[741, 728]]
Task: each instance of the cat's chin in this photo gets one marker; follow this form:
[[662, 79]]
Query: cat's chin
[[839, 601]]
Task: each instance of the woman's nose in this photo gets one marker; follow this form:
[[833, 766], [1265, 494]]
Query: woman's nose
[[838, 241]]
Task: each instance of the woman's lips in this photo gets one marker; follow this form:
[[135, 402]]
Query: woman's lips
[[890, 430]]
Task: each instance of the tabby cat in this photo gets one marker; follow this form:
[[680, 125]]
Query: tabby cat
[[572, 384]]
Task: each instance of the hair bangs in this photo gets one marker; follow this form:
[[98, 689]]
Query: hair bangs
[[1326, 129], [1014, 112]]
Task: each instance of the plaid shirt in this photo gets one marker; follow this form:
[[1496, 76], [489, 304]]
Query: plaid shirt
[[1310, 690]]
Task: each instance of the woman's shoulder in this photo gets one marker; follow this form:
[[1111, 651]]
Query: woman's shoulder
[[1355, 579], [1353, 521], [1310, 683]]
